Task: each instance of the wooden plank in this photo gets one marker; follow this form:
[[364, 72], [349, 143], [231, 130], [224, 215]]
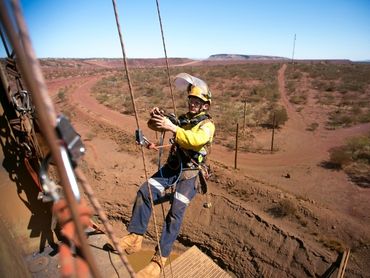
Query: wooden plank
[[343, 263], [193, 263]]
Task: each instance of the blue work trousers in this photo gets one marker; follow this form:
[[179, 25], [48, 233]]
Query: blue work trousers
[[184, 193]]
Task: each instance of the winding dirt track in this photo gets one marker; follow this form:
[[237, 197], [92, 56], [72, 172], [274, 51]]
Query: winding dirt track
[[303, 146]]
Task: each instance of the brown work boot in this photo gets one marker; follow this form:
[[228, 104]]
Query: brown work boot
[[153, 269], [130, 243]]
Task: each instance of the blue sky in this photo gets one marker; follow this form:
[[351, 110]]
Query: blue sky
[[325, 29]]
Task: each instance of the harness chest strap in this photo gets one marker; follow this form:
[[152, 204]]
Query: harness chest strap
[[183, 120]]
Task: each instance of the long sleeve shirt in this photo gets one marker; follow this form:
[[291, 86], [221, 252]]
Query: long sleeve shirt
[[196, 137]]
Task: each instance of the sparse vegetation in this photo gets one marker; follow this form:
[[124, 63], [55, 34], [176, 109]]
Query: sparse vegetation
[[301, 215], [255, 84], [231, 85], [62, 95], [354, 159], [343, 88], [284, 208], [278, 116], [332, 244], [90, 135], [312, 127]]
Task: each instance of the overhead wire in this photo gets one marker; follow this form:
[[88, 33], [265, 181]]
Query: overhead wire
[[165, 54], [173, 103], [103, 217], [136, 117]]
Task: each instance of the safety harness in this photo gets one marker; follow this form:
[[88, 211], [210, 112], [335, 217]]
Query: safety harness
[[191, 163], [188, 163]]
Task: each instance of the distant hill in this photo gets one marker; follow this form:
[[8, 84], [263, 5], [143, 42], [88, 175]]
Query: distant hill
[[244, 57], [363, 62], [110, 62]]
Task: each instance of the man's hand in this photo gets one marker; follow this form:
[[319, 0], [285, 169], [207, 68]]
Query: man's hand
[[155, 111], [162, 122]]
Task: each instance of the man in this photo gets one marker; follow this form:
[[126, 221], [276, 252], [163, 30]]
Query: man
[[193, 134]]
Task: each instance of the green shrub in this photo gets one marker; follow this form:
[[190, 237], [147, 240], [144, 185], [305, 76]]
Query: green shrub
[[359, 147], [298, 99], [339, 119], [312, 127], [354, 159], [340, 156], [280, 114], [61, 95]]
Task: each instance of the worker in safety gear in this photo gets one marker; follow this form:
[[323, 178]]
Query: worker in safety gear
[[193, 133]]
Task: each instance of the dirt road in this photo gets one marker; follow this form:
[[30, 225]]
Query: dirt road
[[258, 183]]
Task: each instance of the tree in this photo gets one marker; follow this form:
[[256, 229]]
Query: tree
[[281, 116]]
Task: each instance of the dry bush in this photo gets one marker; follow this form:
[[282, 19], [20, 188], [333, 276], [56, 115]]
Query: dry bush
[[61, 95], [298, 99], [339, 118], [332, 243], [279, 113], [312, 126], [339, 156], [354, 159], [284, 208], [359, 173]]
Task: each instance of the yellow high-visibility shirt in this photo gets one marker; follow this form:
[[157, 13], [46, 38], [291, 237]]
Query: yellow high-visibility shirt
[[196, 137]]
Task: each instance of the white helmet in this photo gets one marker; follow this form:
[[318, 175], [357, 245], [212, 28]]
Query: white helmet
[[194, 86]]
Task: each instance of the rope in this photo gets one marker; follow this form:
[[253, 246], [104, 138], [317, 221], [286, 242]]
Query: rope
[[160, 152], [29, 64], [137, 120], [32, 173], [165, 54], [71, 261], [172, 95], [103, 217]]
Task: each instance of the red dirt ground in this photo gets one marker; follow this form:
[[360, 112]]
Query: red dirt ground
[[240, 231]]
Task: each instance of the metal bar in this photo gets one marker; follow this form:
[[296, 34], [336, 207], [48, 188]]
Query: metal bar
[[343, 263]]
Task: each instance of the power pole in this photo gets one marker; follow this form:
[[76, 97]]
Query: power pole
[[273, 132], [236, 146], [245, 115], [293, 48]]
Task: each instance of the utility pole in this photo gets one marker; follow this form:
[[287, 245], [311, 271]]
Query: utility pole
[[273, 133], [245, 115], [293, 48], [236, 146]]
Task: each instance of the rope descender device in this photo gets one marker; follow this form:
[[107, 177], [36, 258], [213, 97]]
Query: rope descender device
[[72, 149], [143, 141], [140, 138]]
